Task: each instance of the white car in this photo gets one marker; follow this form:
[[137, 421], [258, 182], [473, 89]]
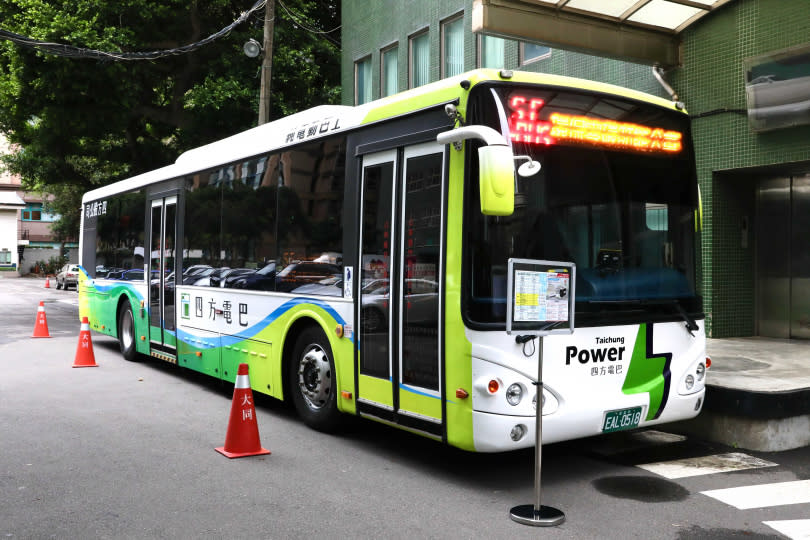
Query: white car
[[68, 276]]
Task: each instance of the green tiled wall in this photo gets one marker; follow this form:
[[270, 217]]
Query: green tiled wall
[[710, 82], [369, 27]]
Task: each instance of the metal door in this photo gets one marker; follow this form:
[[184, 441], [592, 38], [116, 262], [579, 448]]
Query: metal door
[[800, 258], [783, 257], [399, 346], [161, 274]]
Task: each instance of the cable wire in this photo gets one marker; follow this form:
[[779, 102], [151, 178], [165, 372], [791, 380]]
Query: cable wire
[[69, 51]]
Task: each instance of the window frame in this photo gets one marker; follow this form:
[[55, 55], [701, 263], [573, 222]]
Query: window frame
[[388, 49], [357, 64], [456, 18], [522, 54], [423, 33], [479, 59]]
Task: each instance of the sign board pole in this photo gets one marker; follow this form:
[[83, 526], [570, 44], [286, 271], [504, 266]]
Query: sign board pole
[[537, 514], [540, 301]]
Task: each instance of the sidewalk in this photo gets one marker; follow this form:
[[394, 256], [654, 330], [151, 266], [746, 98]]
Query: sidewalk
[[758, 394]]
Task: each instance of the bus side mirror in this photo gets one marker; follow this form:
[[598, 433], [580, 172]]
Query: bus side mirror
[[496, 168], [496, 175]]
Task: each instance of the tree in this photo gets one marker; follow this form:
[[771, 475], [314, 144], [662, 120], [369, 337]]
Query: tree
[[82, 123]]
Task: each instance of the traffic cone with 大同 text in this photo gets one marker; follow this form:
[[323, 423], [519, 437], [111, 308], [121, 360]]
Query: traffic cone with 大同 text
[[84, 350], [41, 326], [47, 283], [242, 438]]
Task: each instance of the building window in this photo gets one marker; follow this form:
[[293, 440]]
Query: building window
[[419, 69], [389, 71], [362, 81], [453, 46], [531, 52], [33, 212], [5, 256], [491, 52]]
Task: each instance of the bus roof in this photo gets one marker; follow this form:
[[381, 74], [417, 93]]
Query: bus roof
[[330, 119]]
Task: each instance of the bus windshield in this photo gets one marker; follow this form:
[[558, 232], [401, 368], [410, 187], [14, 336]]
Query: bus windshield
[[616, 194]]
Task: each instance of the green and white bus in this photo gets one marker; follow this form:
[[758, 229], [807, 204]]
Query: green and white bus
[[356, 259]]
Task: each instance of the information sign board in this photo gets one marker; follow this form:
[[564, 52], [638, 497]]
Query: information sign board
[[540, 296]]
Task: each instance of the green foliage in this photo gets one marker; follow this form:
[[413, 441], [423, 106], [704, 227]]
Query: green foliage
[[82, 123], [51, 266]]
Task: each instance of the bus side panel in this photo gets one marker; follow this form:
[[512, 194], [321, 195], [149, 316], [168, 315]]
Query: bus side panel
[[220, 328], [458, 349], [99, 300]]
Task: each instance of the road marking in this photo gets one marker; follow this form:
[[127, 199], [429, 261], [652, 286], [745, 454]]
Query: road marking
[[763, 495], [719, 463], [795, 529]]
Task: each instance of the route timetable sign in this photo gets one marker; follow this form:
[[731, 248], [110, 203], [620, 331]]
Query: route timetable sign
[[540, 296]]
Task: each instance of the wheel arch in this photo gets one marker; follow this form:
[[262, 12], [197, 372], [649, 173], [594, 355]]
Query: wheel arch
[[295, 329], [342, 356]]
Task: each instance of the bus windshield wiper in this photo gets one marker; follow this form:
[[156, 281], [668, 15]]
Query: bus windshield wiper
[[691, 324]]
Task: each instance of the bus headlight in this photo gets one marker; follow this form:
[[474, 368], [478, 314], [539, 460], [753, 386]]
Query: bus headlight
[[690, 382], [514, 394], [700, 372]]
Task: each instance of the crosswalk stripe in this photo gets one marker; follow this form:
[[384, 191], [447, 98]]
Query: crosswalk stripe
[[683, 468], [795, 529], [763, 495]]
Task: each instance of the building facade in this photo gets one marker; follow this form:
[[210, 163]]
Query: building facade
[[26, 238], [754, 175]]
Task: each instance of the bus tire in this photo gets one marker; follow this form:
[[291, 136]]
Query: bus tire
[[126, 332], [312, 382]]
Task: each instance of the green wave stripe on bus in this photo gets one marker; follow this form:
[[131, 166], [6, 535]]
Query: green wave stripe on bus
[[648, 373]]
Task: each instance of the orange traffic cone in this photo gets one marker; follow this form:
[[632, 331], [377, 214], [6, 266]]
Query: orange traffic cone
[[242, 438], [41, 326], [84, 350], [47, 283]]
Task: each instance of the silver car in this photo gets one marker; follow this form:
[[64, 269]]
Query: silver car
[[68, 276]]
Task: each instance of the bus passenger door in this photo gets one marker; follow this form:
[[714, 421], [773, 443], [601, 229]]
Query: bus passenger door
[[399, 346], [161, 278]]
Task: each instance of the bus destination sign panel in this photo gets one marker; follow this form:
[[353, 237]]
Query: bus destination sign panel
[[530, 123]]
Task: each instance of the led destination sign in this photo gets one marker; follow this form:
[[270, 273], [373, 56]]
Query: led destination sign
[[527, 125]]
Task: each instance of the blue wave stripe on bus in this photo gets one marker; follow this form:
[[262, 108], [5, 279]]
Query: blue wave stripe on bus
[[108, 288], [248, 333], [417, 392]]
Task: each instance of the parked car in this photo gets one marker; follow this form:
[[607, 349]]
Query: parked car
[[68, 276], [420, 307], [263, 279], [302, 273]]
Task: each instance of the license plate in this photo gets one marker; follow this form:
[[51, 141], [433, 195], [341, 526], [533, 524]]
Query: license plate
[[621, 419]]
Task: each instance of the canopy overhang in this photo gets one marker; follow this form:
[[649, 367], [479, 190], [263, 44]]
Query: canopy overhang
[[643, 31]]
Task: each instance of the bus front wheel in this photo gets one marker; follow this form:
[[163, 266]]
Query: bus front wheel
[[126, 332], [312, 381]]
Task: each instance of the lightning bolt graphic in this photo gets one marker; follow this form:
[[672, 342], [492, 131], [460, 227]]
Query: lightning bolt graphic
[[649, 372]]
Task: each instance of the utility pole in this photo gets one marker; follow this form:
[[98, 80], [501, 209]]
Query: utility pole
[[267, 62]]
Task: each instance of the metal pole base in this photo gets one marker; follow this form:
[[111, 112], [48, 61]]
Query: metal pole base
[[546, 517]]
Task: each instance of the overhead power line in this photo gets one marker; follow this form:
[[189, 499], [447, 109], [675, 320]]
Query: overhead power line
[[60, 49]]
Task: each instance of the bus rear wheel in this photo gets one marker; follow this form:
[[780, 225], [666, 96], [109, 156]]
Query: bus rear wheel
[[126, 332], [312, 381]]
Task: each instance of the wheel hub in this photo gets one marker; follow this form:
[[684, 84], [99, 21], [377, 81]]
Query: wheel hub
[[315, 378]]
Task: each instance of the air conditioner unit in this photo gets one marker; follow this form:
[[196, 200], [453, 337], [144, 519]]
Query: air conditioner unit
[[777, 89]]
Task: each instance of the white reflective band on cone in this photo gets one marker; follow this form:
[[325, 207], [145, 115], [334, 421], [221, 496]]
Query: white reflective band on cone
[[242, 381]]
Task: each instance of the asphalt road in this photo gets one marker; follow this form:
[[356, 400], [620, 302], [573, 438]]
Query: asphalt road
[[126, 450]]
